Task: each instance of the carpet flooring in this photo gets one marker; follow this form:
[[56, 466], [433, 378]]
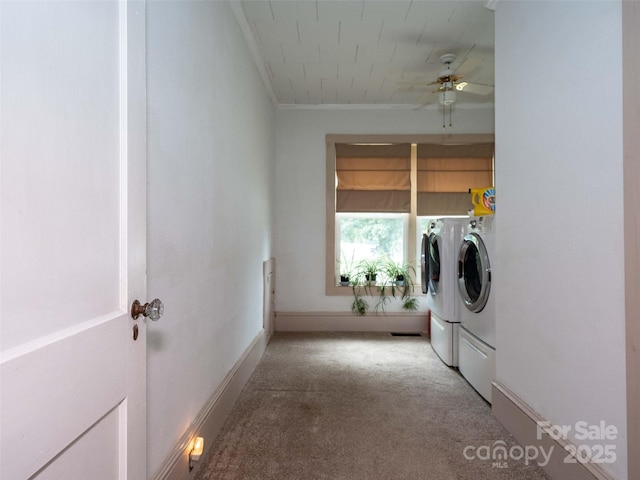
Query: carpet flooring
[[359, 406]]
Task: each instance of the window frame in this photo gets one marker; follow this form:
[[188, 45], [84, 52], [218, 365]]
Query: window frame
[[331, 288]]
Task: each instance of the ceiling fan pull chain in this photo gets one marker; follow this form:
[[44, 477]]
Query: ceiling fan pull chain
[[444, 109]]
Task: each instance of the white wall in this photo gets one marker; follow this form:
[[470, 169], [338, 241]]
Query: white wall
[[211, 154], [559, 258], [300, 190]]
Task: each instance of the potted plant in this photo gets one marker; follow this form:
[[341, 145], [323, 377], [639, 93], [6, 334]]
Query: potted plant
[[399, 274], [363, 278], [400, 278], [397, 280], [345, 268], [368, 269]]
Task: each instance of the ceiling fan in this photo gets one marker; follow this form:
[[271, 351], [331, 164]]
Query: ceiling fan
[[450, 84]]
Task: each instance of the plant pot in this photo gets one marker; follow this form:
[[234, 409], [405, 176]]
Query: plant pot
[[400, 280], [344, 280], [371, 278]]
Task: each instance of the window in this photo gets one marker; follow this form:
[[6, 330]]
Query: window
[[382, 189], [361, 236]]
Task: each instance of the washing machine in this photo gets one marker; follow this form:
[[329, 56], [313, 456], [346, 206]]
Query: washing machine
[[443, 238], [477, 332], [424, 263]]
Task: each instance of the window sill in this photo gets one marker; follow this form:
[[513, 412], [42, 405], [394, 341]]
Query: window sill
[[339, 290]]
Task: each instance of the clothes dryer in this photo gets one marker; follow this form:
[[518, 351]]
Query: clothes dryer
[[443, 238], [477, 333]]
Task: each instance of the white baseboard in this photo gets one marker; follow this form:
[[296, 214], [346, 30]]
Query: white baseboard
[[209, 421], [522, 422], [402, 322]]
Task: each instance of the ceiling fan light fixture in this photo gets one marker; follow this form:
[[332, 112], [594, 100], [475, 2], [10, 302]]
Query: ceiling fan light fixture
[[447, 97]]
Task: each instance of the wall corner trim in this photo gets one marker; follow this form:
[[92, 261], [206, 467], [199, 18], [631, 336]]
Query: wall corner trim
[[250, 40], [211, 418], [522, 422]]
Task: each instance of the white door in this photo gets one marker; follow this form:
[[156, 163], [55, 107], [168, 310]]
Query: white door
[[73, 240]]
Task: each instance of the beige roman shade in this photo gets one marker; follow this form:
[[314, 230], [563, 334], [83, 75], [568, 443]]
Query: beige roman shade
[[447, 172], [373, 178]]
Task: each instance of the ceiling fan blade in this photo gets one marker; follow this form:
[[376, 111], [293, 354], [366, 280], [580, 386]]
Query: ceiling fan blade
[[475, 88], [465, 57], [430, 100], [468, 66], [412, 88]]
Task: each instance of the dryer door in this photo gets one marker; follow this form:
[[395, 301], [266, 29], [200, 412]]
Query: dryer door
[[474, 273], [434, 262], [424, 263]]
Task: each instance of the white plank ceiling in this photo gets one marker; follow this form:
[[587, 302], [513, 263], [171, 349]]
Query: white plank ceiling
[[367, 52]]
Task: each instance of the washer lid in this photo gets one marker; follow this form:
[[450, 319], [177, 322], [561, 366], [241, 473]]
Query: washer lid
[[474, 273]]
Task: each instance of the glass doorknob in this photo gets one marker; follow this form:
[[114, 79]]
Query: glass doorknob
[[153, 309]]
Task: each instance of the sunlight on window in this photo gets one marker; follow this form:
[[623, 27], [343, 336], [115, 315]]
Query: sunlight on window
[[368, 236]]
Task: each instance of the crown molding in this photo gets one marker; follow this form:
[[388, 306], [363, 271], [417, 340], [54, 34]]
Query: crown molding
[[378, 107]]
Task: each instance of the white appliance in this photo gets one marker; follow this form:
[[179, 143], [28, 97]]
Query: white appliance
[[441, 252], [477, 333], [424, 263]]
